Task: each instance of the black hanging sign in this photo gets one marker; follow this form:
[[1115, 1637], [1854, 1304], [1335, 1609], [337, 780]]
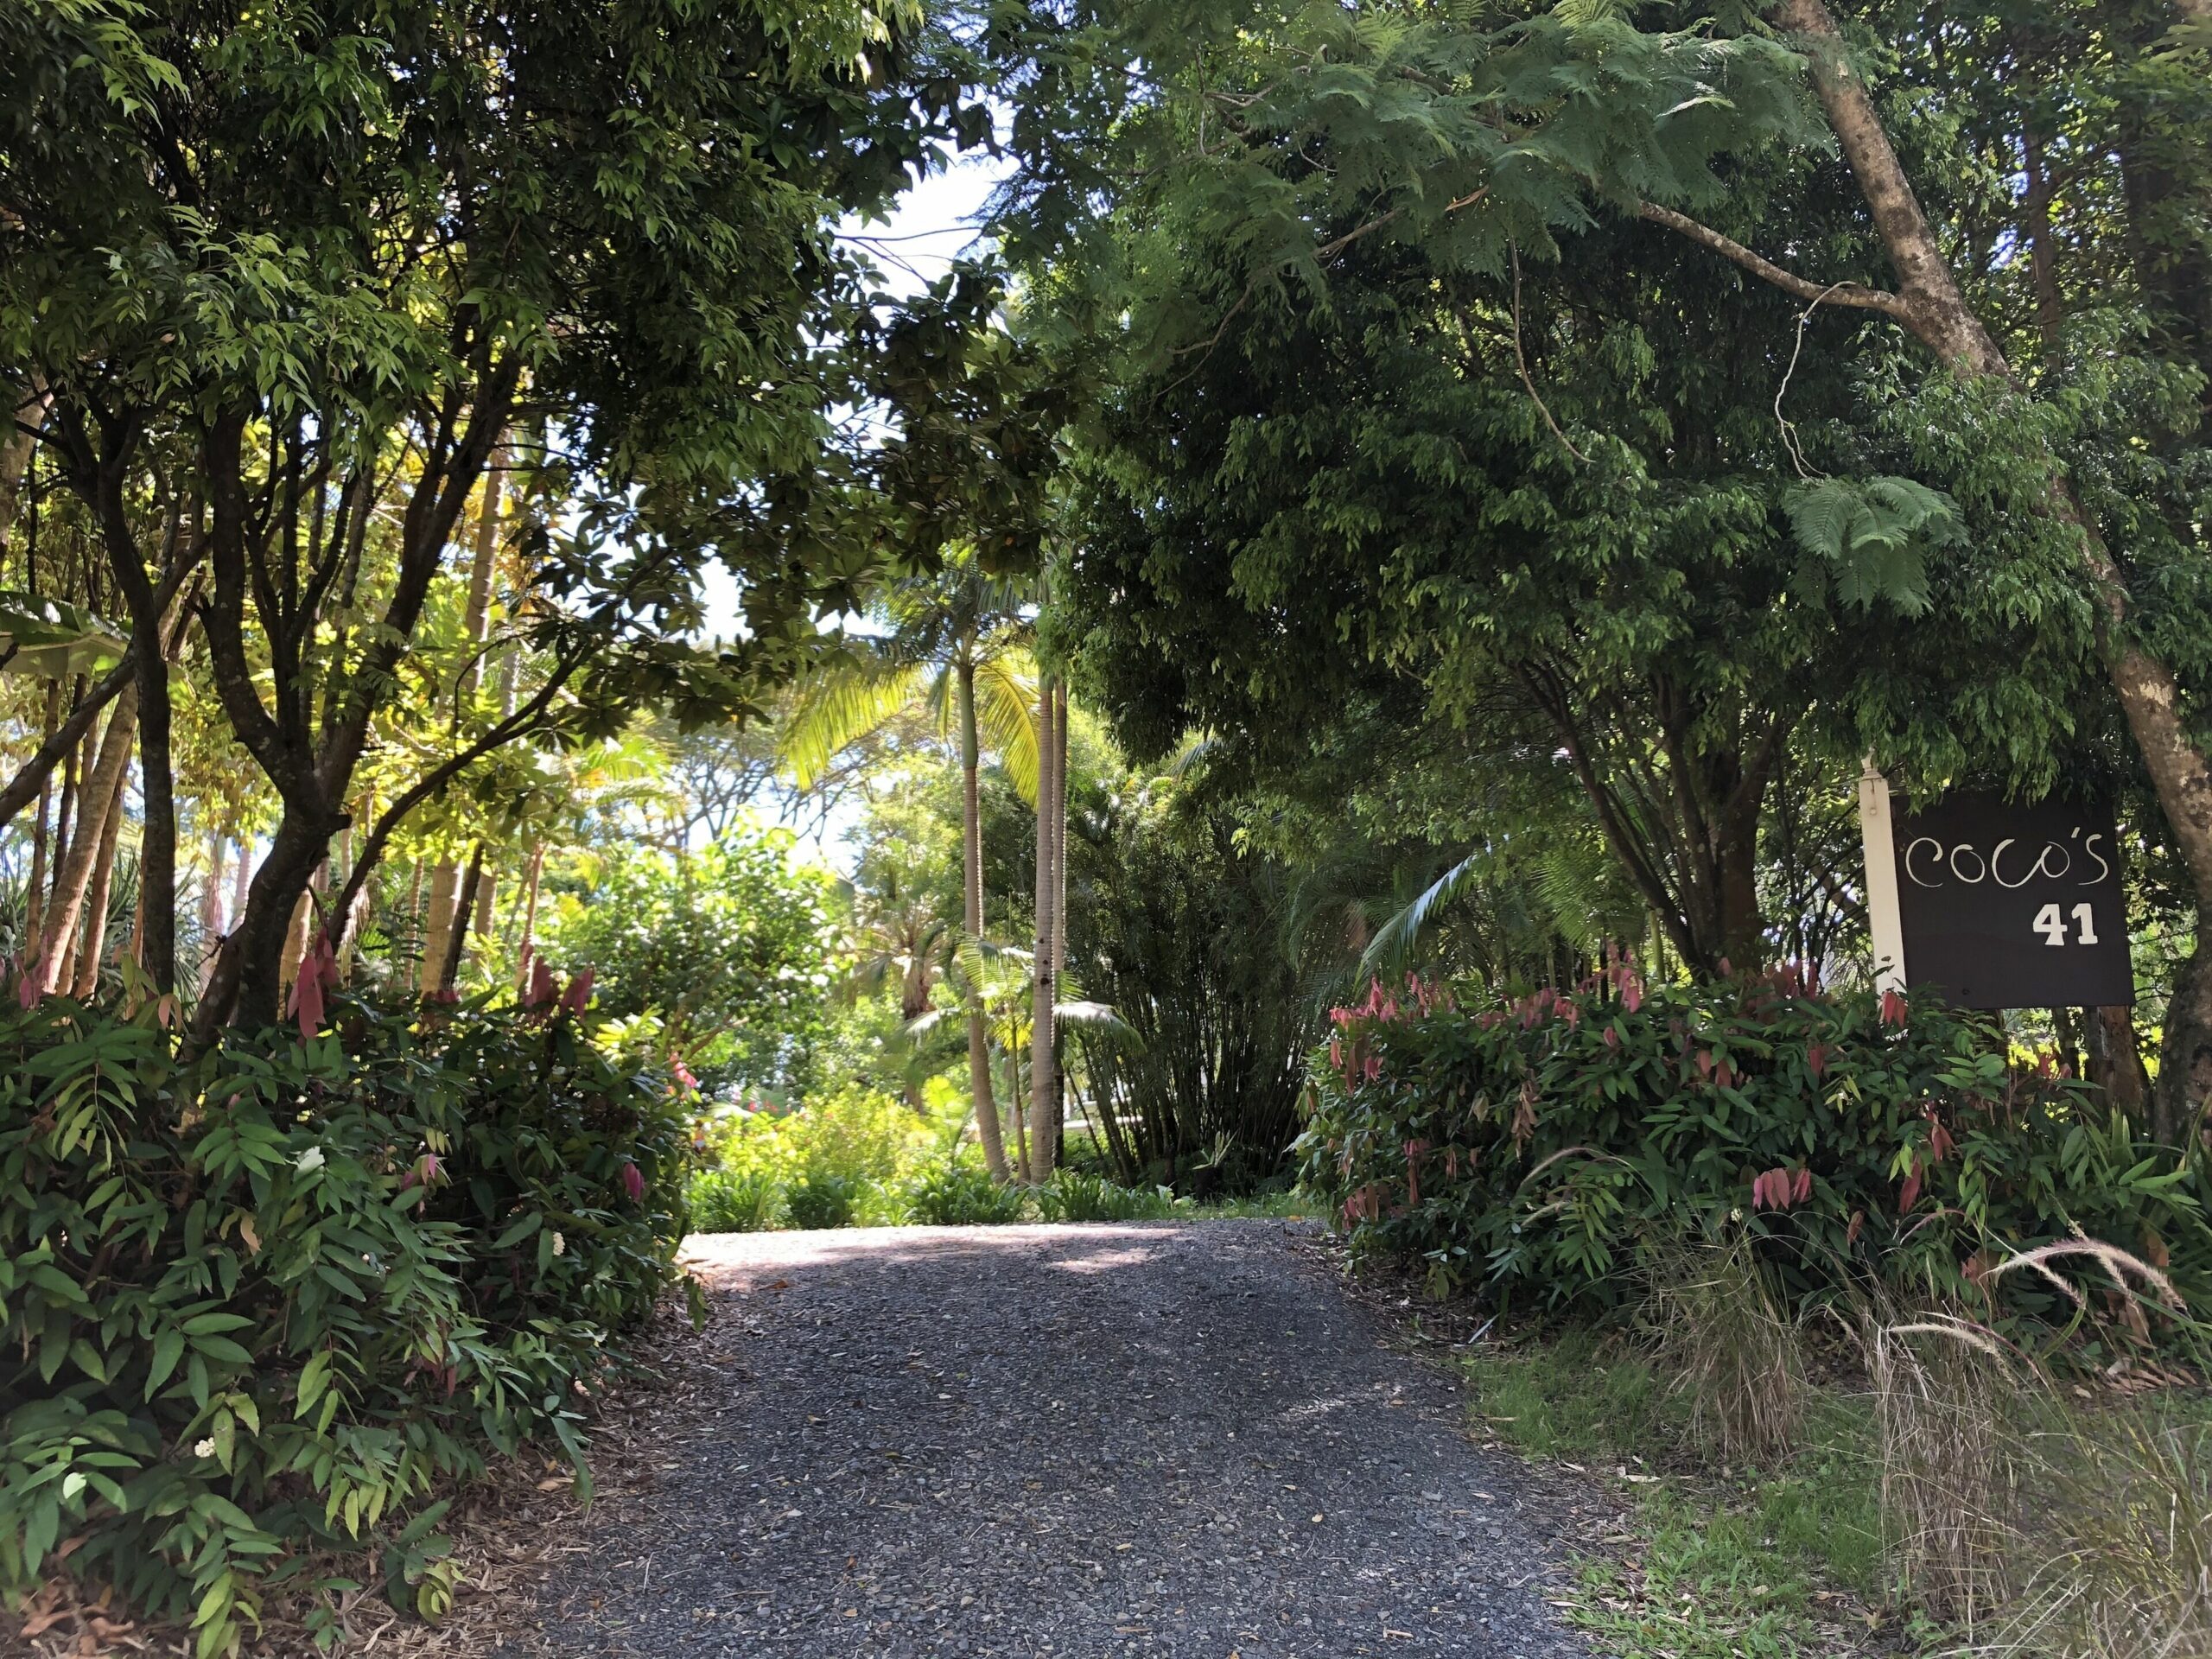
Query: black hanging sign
[[2002, 906]]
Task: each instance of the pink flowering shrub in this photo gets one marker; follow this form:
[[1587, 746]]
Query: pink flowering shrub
[[1544, 1145]]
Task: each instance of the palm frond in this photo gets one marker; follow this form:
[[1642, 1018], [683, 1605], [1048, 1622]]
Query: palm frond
[[922, 1024], [843, 703], [1100, 1018], [1394, 942], [1197, 750], [1005, 714]]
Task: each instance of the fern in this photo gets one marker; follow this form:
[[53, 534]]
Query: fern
[[1869, 537]]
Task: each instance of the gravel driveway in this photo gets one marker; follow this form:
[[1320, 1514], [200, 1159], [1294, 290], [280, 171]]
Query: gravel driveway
[[1157, 1439]]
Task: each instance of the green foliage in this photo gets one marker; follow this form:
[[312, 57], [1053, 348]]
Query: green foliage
[[260, 1305], [1081, 1195], [961, 1194], [852, 1133], [723, 955], [1549, 1147], [842, 1157], [1180, 932], [817, 1200], [1871, 538], [733, 1201]]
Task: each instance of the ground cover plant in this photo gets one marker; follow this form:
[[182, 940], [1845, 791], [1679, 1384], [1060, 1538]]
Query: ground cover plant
[[1952, 1498], [266, 1305]]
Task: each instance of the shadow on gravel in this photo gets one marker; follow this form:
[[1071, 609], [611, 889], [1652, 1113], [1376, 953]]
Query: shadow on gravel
[[1170, 1438]]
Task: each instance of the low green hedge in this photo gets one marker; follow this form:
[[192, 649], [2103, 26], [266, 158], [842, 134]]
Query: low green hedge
[[258, 1307], [1546, 1146]]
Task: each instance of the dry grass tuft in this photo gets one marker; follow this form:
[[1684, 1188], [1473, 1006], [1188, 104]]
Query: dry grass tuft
[[2114, 1556], [2042, 1519], [1722, 1337], [1948, 1394]]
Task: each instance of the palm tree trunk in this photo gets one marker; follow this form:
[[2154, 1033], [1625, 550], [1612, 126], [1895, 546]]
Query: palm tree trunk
[[1045, 981], [211, 903], [241, 884], [1059, 900], [972, 854], [1015, 1122], [75, 765], [445, 915], [415, 922]]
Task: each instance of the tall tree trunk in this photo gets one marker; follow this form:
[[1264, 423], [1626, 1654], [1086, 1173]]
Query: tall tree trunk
[[35, 895], [2149, 693], [241, 877], [1044, 980], [457, 944], [210, 906], [86, 980], [484, 920], [296, 939], [2115, 1062], [1016, 1121], [247, 984], [19, 428], [75, 764], [413, 976], [157, 641], [452, 901], [971, 860], [1060, 903], [99, 796], [157, 788], [444, 901], [529, 917]]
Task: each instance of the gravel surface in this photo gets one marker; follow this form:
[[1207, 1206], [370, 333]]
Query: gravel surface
[[1157, 1438]]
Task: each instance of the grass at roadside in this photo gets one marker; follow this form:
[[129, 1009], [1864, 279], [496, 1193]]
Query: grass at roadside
[[1715, 1563]]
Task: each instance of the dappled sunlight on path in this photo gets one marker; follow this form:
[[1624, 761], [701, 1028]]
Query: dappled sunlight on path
[[1148, 1439]]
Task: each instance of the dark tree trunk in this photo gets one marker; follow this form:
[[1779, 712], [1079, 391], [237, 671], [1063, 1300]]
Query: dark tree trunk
[[2185, 1050], [157, 784], [246, 985], [2063, 1037], [2115, 1065]]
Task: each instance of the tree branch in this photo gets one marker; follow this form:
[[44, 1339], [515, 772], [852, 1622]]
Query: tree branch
[[25, 785], [1856, 295]]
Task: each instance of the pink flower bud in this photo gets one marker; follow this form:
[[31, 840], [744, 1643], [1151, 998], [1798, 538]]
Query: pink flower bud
[[633, 1181]]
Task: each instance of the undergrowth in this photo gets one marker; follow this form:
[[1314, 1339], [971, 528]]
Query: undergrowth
[[1727, 1560]]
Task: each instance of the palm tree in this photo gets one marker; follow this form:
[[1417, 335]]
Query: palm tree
[[954, 643], [904, 941]]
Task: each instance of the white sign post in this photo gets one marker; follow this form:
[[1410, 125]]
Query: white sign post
[[1883, 920]]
